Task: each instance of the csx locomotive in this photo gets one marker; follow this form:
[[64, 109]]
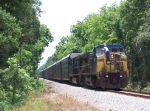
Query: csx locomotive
[[91, 69]]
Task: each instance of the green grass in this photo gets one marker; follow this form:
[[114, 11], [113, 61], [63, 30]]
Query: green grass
[[35, 101]]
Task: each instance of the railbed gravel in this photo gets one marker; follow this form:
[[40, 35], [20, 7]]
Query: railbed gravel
[[102, 100]]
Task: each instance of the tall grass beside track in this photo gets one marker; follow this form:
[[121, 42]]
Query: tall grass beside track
[[49, 100], [35, 101]]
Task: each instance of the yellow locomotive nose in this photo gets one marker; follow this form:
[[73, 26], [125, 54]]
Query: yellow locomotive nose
[[113, 74]]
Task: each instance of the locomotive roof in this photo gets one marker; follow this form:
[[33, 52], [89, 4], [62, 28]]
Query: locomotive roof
[[110, 46]]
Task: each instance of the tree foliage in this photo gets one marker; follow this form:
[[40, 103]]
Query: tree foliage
[[9, 36], [98, 28], [22, 41]]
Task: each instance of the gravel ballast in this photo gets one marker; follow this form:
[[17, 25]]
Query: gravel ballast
[[101, 100]]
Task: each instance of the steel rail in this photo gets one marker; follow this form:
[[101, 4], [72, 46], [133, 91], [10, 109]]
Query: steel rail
[[132, 93]]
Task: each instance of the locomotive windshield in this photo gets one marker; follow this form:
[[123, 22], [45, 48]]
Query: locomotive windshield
[[118, 50]]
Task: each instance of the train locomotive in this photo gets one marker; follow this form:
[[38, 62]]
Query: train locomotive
[[91, 69]]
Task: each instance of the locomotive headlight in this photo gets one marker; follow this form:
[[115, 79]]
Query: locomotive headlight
[[112, 56], [107, 76], [120, 75]]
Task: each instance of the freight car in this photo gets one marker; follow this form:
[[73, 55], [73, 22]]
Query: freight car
[[92, 69]]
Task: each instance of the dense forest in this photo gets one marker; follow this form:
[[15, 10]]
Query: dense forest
[[127, 24], [22, 41]]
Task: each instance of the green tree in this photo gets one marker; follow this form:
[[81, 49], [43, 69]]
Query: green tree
[[9, 36], [133, 15], [23, 38], [142, 42], [98, 28]]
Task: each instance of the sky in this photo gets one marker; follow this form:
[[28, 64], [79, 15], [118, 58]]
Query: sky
[[61, 14]]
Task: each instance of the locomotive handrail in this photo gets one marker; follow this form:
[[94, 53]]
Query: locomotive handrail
[[81, 66]]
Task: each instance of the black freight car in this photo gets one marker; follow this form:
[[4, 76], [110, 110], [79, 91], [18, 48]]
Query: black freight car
[[61, 69]]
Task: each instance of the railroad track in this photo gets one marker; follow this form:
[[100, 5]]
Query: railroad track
[[124, 92], [132, 93]]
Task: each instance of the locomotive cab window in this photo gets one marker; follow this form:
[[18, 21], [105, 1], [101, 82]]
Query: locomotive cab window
[[99, 52], [118, 50]]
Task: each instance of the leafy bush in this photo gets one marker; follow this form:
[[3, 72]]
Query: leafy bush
[[15, 83]]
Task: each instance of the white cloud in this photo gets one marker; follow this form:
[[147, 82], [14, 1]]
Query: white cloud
[[61, 14]]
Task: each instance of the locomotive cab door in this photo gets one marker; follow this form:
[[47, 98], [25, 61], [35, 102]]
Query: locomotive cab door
[[92, 61]]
